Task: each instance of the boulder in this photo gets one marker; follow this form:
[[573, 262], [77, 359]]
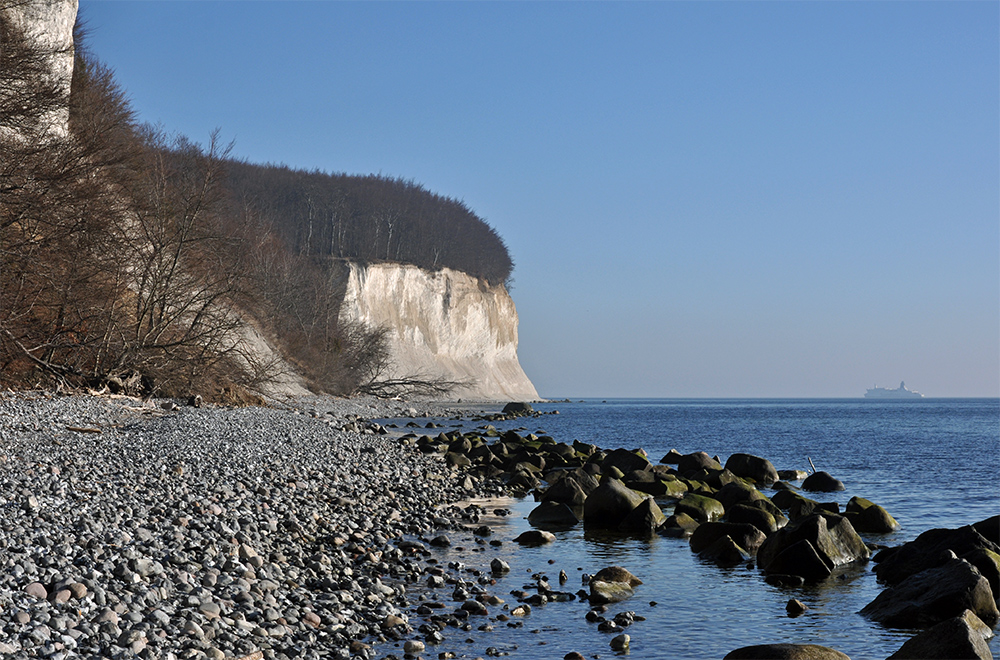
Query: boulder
[[672, 457], [626, 461], [719, 478], [832, 537], [822, 482], [792, 475], [679, 525], [517, 408], [617, 574], [783, 499], [934, 595], [786, 652], [956, 638], [868, 517], [725, 552], [752, 467], [699, 460], [699, 507], [737, 492], [554, 514], [927, 551], [758, 517], [535, 537], [745, 535], [609, 505], [988, 564], [989, 528], [643, 519], [800, 559], [612, 584], [566, 491]]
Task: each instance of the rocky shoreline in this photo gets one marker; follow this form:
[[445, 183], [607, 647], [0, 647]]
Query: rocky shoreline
[[306, 530], [158, 530]]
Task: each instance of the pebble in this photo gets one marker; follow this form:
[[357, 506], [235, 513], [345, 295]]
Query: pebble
[[212, 532]]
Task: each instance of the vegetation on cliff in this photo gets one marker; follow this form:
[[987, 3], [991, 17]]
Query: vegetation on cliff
[[133, 259]]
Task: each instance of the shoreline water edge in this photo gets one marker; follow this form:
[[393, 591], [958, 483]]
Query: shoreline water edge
[[308, 530]]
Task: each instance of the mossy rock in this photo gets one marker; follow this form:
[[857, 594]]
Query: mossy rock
[[700, 507]]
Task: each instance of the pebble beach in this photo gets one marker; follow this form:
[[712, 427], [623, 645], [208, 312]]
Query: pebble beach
[[160, 530]]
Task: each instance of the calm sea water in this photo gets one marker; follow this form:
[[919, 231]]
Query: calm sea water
[[931, 463]]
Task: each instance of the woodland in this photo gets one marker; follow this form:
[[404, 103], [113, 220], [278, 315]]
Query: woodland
[[132, 259]]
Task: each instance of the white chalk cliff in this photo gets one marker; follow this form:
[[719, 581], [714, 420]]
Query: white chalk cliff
[[442, 324]]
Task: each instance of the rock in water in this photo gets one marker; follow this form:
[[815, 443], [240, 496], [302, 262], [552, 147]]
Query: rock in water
[[934, 595], [786, 652], [959, 637], [752, 467], [822, 482], [607, 507]]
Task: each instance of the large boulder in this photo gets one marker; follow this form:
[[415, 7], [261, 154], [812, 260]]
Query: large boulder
[[761, 518], [725, 552], [752, 467], [786, 652], [699, 460], [927, 551], [831, 537], [517, 408], [609, 505], [745, 535], [956, 638], [643, 519], [700, 507], [679, 525], [822, 482], [612, 584], [552, 514], [737, 492], [934, 595], [566, 491], [869, 518], [626, 461]]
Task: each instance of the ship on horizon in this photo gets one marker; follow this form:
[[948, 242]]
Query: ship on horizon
[[887, 393]]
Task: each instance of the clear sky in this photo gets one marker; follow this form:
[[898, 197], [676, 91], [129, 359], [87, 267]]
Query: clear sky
[[701, 198]]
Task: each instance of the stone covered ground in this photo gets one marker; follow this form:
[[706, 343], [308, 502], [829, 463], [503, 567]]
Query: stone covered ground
[[129, 529]]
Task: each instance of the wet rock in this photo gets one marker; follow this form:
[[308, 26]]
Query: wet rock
[[822, 482], [517, 408], [700, 507], [679, 525], [832, 541], [795, 607], [620, 643], [748, 537], [672, 457], [756, 516], [534, 537], [627, 461], [609, 505], [963, 636], [934, 595], [725, 552], [786, 652], [698, 460], [869, 518], [552, 513], [567, 490], [927, 550], [643, 519], [752, 467]]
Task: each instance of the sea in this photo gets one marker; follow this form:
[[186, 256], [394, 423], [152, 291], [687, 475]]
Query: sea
[[930, 462]]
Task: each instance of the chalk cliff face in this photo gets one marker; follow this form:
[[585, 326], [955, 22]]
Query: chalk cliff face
[[49, 23], [441, 324]]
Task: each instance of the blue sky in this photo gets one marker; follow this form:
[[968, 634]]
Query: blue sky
[[702, 199]]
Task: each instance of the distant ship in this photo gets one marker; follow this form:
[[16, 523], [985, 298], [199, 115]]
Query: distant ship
[[899, 393]]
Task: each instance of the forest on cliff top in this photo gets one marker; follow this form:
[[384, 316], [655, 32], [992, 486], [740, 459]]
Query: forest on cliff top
[[138, 261]]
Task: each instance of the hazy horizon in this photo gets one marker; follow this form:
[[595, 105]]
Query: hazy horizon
[[702, 200]]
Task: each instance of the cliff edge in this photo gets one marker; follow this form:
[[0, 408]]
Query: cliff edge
[[441, 324]]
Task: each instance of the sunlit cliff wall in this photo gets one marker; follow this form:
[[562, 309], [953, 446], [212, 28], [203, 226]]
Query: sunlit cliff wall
[[441, 324]]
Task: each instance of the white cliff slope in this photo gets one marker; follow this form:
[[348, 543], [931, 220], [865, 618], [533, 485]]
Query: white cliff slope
[[442, 324]]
